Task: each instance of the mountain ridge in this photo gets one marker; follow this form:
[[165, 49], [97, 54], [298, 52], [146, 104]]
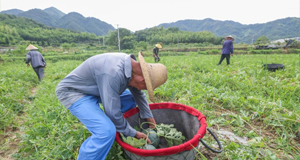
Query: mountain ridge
[[280, 28], [12, 11], [40, 16], [55, 18], [57, 14], [243, 33]]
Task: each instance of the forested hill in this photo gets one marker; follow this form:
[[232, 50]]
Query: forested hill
[[14, 30], [281, 28], [12, 11], [39, 16], [55, 18]]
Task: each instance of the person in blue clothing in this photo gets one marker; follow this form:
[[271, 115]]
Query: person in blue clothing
[[227, 49], [103, 79], [37, 61]]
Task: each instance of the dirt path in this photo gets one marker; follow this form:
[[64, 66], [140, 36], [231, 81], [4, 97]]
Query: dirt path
[[12, 136], [10, 143]]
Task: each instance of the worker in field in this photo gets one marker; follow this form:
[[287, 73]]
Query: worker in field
[[37, 61], [227, 49], [155, 52], [102, 79]]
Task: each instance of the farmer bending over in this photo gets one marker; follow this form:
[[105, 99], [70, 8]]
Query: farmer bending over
[[155, 52], [101, 79]]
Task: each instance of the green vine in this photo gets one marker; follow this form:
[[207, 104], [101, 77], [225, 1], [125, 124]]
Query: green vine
[[172, 136], [134, 142], [168, 131]]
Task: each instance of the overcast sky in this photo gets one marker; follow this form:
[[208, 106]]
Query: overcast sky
[[140, 14]]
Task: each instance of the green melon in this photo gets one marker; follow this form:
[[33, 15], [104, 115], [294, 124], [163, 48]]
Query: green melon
[[152, 136], [149, 147]]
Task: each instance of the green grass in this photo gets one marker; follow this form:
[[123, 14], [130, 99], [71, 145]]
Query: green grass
[[15, 81], [242, 98]]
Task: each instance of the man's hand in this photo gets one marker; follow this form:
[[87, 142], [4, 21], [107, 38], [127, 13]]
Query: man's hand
[[231, 54], [140, 135], [152, 122], [28, 64], [44, 66]]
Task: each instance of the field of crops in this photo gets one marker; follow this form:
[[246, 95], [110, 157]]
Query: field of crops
[[242, 98]]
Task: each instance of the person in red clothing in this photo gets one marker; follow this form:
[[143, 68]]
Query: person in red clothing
[[227, 49]]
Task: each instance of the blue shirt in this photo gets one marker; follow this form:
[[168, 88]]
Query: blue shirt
[[35, 58], [227, 47], [107, 76]]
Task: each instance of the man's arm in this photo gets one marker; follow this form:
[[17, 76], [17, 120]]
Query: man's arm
[[141, 100], [109, 93], [231, 47], [28, 59], [43, 60], [112, 105]]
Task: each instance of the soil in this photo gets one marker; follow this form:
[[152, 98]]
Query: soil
[[207, 153], [10, 142], [11, 137]]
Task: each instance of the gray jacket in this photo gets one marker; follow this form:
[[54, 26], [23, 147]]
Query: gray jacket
[[105, 76], [35, 58]]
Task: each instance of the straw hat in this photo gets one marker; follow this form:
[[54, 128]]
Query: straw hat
[[30, 47], [230, 37], [158, 46], [155, 74]]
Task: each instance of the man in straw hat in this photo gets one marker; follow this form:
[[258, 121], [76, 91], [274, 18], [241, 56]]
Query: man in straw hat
[[227, 49], [155, 52], [101, 79], [37, 61]]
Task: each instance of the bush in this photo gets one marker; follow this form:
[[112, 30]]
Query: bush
[[66, 46], [202, 52]]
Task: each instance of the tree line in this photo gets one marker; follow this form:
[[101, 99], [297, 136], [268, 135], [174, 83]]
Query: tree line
[[160, 35]]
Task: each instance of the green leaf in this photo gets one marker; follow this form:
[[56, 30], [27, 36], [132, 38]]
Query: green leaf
[[134, 142]]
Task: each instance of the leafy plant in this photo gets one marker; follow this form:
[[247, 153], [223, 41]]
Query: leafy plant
[[172, 136], [242, 98], [134, 142]]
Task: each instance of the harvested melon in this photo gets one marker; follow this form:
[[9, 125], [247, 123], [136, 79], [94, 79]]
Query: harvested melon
[[149, 147], [152, 135]]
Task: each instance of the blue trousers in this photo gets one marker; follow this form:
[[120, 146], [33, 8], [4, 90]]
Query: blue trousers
[[103, 131]]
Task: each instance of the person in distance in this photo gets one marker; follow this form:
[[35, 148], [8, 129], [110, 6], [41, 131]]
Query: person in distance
[[227, 49], [155, 52], [37, 61]]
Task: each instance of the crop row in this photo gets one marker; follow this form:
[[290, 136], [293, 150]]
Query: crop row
[[243, 98]]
